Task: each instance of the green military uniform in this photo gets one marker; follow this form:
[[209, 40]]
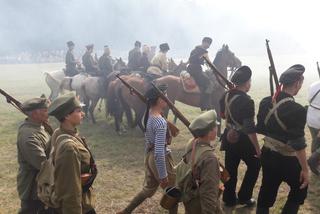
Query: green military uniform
[[72, 159], [198, 175], [32, 143]]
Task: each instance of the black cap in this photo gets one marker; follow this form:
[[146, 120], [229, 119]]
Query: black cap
[[137, 44], [70, 43], [292, 74], [241, 75], [152, 93], [207, 40], [164, 47]]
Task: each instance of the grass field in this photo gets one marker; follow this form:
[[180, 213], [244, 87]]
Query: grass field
[[119, 159]]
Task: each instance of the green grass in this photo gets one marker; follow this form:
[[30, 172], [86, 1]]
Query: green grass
[[119, 158]]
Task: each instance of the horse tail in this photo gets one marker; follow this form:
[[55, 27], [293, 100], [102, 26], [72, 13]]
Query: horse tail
[[127, 110], [48, 75], [113, 102]]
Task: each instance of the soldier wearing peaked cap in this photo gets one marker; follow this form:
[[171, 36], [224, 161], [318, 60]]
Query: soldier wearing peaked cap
[[90, 63], [239, 140], [198, 174], [159, 63], [75, 169], [159, 164], [283, 158], [71, 62], [32, 146], [134, 57]]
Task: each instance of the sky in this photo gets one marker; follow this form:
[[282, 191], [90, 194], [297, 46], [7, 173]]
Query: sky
[[291, 26]]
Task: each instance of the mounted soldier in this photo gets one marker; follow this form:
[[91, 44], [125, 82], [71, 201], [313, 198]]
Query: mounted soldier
[[195, 70], [159, 63], [90, 63], [144, 60], [105, 62], [71, 62], [134, 57]]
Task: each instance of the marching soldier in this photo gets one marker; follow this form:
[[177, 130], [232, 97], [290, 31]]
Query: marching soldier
[[74, 164], [90, 64], [200, 187], [159, 63], [134, 57], [313, 121], [32, 145], [71, 62], [283, 158], [195, 70], [239, 139], [158, 160]]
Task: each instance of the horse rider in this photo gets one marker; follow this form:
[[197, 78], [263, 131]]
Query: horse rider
[[90, 63], [159, 63], [195, 70], [134, 57], [144, 60], [198, 175], [105, 62], [313, 122], [71, 62], [32, 147], [239, 140], [282, 121]]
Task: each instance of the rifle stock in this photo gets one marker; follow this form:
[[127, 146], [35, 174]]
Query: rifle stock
[[17, 105], [229, 84]]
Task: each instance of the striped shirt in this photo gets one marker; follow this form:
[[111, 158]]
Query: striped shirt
[[156, 134]]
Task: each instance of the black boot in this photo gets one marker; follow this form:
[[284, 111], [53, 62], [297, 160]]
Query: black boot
[[290, 208], [313, 162], [262, 210]]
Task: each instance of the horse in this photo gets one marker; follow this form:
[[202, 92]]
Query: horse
[[176, 69], [53, 80]]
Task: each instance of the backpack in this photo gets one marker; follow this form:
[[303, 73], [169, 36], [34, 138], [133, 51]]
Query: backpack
[[45, 177]]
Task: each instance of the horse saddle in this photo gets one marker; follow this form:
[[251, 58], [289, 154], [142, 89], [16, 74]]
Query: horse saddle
[[188, 83]]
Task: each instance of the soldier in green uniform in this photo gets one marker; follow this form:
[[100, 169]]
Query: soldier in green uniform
[[71, 62], [74, 164], [32, 144], [105, 62], [198, 174], [90, 63]]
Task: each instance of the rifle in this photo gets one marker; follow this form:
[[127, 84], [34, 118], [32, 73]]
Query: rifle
[[17, 105], [318, 68], [225, 176], [229, 84], [273, 74], [174, 131]]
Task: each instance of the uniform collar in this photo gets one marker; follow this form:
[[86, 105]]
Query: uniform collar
[[73, 132], [32, 123]]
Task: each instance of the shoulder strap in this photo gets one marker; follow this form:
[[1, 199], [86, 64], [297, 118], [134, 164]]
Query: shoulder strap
[[274, 112], [227, 107]]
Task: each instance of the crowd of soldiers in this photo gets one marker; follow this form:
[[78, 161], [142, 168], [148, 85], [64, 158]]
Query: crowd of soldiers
[[280, 120]]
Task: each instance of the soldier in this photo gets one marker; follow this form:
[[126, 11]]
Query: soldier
[[200, 187], [134, 57], [32, 145], [144, 61], [74, 165], [71, 62], [159, 63], [105, 62], [158, 160], [313, 121], [195, 70], [239, 139], [90, 63], [283, 158]]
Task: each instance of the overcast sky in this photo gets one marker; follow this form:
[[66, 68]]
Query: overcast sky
[[292, 26]]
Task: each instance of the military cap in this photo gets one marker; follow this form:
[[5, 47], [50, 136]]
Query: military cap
[[137, 44], [70, 43], [292, 74], [89, 46], [152, 93], [207, 40], [64, 105], [241, 75], [164, 47], [34, 103], [202, 124]]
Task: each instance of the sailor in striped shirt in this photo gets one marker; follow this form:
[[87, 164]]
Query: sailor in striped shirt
[[158, 161]]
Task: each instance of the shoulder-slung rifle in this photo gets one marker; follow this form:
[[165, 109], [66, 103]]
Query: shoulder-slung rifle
[[318, 68], [273, 77], [17, 105]]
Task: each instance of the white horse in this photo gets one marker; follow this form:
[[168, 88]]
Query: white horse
[[73, 83], [53, 80]]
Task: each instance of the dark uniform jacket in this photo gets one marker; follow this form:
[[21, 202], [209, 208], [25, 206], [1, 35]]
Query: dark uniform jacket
[[90, 64], [195, 60], [71, 63], [105, 65], [242, 111], [32, 143], [134, 59], [292, 115]]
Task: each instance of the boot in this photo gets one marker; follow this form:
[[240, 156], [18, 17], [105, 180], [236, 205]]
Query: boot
[[290, 208], [262, 210], [313, 163]]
